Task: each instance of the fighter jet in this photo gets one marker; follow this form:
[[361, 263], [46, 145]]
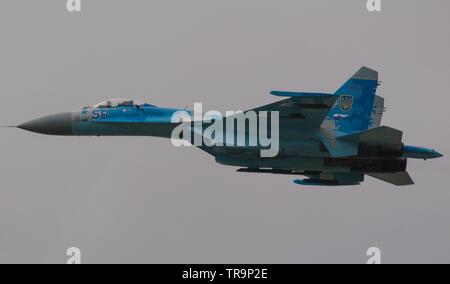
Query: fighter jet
[[328, 139]]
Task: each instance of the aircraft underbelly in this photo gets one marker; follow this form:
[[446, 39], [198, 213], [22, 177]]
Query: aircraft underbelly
[[287, 163], [327, 164]]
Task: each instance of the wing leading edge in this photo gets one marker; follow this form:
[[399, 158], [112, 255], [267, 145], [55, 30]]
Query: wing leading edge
[[305, 110]]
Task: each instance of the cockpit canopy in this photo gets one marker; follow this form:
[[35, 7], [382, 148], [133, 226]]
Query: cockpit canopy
[[115, 103]]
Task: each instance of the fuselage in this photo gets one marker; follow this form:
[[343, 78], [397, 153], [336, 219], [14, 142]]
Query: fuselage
[[331, 138], [300, 150]]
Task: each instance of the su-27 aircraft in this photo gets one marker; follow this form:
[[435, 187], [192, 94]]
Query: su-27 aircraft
[[331, 139]]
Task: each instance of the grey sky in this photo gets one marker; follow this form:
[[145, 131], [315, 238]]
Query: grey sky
[[142, 200]]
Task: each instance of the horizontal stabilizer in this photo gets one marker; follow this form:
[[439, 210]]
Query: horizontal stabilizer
[[399, 179], [378, 135]]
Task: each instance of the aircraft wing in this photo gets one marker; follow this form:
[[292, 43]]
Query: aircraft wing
[[337, 179], [342, 179], [314, 178], [304, 110]]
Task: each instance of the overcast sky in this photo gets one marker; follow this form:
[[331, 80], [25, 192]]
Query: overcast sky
[[140, 200]]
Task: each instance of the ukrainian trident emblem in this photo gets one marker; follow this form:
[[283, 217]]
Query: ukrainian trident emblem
[[346, 102]]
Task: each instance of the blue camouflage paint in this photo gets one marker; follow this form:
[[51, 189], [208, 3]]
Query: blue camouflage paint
[[352, 111], [330, 138], [125, 120]]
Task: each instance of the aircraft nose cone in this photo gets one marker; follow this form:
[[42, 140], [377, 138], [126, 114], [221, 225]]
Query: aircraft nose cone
[[437, 154], [57, 124]]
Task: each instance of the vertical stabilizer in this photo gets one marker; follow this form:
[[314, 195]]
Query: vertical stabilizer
[[353, 111]]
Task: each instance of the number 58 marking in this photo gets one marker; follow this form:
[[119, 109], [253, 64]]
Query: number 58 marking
[[100, 114]]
